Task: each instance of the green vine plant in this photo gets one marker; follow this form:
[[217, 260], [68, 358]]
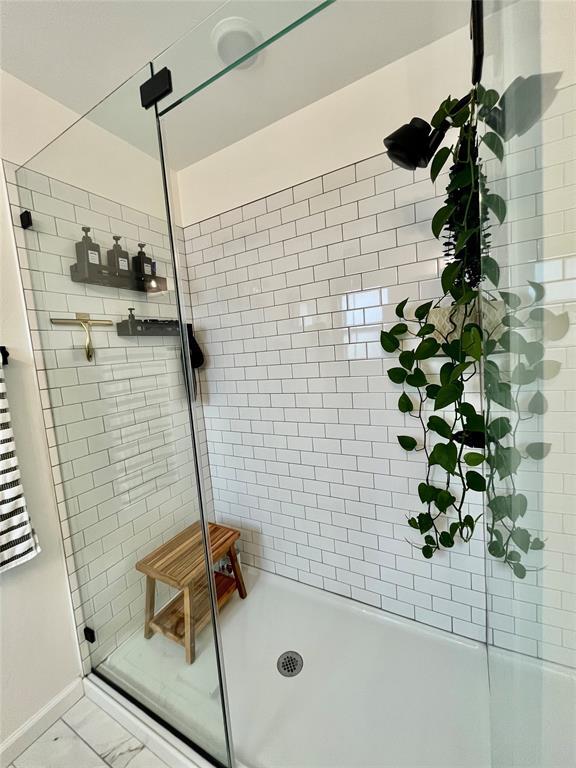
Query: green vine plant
[[447, 348]]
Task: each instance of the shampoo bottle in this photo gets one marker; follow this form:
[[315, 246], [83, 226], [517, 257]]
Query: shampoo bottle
[[118, 259], [141, 263], [88, 259]]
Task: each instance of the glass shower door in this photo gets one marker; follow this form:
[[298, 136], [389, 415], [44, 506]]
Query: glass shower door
[[107, 311], [530, 75]]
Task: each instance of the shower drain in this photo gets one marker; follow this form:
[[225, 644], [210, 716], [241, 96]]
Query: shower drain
[[290, 663]]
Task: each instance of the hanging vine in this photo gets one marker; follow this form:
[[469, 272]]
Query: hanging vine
[[456, 437]]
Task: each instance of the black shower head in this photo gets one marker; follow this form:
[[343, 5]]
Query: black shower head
[[413, 145]]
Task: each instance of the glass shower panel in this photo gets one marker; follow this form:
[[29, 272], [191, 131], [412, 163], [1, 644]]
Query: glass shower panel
[[530, 74], [300, 238], [225, 40], [107, 312]]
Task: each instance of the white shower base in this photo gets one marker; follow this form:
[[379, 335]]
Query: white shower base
[[376, 691]]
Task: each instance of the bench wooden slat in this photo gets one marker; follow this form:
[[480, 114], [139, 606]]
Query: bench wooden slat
[[180, 560]]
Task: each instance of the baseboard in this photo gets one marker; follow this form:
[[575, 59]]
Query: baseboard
[[24, 736], [161, 742]]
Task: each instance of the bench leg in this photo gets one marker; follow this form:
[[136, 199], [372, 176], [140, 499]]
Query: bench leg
[[237, 572], [149, 605], [189, 640]]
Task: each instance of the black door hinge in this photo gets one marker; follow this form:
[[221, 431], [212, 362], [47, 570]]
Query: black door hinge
[[154, 89]]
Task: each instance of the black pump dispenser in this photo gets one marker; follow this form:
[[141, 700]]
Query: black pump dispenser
[[118, 259], [142, 264], [88, 258]]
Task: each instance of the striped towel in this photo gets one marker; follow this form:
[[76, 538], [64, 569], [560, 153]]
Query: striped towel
[[18, 541]]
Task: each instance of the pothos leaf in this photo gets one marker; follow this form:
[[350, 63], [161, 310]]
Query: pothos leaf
[[406, 359], [427, 493], [489, 98], [446, 540], [389, 342], [407, 442], [519, 570], [538, 290], [439, 161], [425, 522], [397, 375], [521, 537], [417, 378], [444, 499], [449, 275], [427, 348], [511, 300], [499, 428], [538, 450], [446, 455], [400, 308], [491, 269], [405, 405], [427, 551], [497, 205], [475, 481], [448, 394], [494, 143], [440, 218], [473, 459], [538, 404], [422, 310], [441, 427]]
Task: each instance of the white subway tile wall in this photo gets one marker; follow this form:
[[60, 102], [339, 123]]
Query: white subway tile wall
[[302, 421], [118, 427]]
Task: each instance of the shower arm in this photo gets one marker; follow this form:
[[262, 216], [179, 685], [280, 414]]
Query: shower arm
[[83, 319]]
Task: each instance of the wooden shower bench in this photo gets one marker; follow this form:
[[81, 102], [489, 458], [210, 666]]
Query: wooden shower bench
[[180, 562]]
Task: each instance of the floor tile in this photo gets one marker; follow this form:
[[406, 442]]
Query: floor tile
[[59, 747], [146, 759], [107, 737]]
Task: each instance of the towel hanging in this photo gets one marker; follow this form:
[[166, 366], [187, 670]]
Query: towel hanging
[[18, 541]]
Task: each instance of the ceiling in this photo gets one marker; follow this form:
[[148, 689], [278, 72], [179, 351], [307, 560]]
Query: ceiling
[[78, 51]]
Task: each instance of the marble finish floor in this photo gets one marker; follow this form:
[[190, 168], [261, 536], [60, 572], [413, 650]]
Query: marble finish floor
[[87, 737]]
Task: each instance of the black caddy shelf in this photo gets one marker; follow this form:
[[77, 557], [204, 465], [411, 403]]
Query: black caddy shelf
[[143, 283], [148, 327]]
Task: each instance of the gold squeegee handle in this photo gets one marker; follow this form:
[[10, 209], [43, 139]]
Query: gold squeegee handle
[[84, 320]]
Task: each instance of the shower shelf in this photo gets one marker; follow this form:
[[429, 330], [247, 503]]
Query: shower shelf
[[144, 284]]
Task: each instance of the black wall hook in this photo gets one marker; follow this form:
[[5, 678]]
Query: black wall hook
[[5, 355]]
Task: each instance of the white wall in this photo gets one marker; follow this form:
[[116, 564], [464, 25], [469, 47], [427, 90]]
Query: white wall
[[39, 655], [335, 131], [86, 155], [38, 651]]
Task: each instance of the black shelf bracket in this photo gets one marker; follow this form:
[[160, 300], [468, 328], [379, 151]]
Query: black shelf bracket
[[155, 88]]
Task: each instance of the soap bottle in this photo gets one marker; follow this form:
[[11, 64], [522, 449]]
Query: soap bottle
[[88, 259], [118, 259], [141, 263]]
